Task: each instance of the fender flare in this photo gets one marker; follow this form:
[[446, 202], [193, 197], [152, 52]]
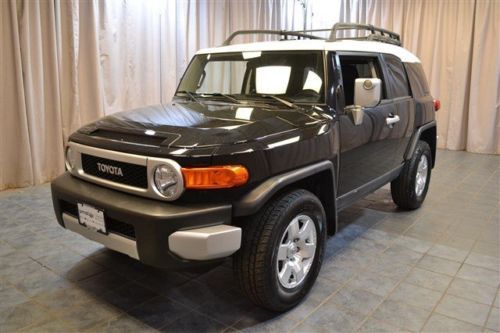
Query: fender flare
[[415, 137], [260, 195]]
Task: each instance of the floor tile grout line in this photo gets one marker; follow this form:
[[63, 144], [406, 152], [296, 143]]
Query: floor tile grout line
[[485, 327]]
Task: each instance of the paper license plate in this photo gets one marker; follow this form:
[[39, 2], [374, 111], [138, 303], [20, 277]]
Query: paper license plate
[[91, 217]]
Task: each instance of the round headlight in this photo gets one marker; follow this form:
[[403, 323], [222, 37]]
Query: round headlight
[[70, 159], [168, 181]]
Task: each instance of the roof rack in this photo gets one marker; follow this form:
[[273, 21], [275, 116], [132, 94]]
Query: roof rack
[[376, 34], [284, 33]]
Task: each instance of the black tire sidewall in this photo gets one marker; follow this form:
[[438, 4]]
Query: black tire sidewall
[[306, 204], [422, 149]]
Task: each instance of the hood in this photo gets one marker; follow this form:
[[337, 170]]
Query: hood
[[186, 124]]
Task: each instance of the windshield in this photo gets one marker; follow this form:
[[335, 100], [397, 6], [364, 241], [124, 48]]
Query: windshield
[[294, 76]]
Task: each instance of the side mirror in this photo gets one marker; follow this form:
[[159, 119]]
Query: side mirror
[[367, 92]]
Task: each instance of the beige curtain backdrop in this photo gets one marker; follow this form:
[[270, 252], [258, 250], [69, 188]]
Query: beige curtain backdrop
[[458, 43], [64, 63]]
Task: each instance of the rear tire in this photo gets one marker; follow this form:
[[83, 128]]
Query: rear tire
[[282, 250], [410, 188]]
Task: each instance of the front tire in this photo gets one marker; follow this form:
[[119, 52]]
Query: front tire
[[410, 188], [282, 250]]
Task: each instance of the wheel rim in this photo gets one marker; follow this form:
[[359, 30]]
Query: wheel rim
[[296, 251], [421, 177]]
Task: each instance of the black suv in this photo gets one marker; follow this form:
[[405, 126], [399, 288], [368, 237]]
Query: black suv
[[260, 148]]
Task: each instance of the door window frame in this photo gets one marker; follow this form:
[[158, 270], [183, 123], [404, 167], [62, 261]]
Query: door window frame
[[336, 62]]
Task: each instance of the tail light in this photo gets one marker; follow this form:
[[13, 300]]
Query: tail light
[[215, 177], [437, 104]]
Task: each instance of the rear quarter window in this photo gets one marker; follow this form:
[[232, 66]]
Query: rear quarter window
[[417, 79], [397, 80]]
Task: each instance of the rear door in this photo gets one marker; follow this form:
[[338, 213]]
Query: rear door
[[367, 151]]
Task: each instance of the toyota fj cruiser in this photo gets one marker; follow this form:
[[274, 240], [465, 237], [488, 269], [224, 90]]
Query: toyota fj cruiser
[[261, 146]]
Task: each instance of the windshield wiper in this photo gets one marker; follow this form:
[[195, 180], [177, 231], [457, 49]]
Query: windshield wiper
[[190, 95], [281, 100], [229, 97]]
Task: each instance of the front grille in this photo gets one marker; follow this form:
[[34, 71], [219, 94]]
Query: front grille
[[112, 225], [133, 174]]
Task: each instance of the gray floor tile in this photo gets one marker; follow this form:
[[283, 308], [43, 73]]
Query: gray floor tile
[[11, 297], [51, 325], [462, 309], [472, 290], [323, 288], [37, 282], [403, 255], [194, 322], [376, 326], [374, 283], [58, 300], [158, 312], [389, 267], [496, 303], [478, 274], [493, 322], [414, 244], [483, 261], [123, 324], [441, 324], [417, 296], [128, 296], [330, 316], [358, 300], [376, 249], [448, 252], [456, 242], [339, 272], [87, 315], [488, 249], [21, 316], [428, 279], [439, 265], [402, 315]]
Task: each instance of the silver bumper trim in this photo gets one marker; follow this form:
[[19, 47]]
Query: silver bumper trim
[[112, 241], [206, 243]]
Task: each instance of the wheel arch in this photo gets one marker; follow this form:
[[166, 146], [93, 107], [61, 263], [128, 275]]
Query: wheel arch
[[427, 133], [318, 178]]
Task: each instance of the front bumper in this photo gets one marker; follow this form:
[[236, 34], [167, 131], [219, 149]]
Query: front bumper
[[160, 234]]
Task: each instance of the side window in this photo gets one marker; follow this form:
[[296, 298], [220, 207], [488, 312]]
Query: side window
[[397, 80], [354, 67], [417, 79]]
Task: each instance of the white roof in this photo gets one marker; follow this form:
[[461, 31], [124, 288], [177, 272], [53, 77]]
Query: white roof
[[344, 45]]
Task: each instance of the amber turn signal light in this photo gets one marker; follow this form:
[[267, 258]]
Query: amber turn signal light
[[213, 177]]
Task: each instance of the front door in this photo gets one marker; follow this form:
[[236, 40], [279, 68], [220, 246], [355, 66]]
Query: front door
[[368, 150]]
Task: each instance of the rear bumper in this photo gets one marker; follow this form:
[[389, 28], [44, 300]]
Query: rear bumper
[[157, 233]]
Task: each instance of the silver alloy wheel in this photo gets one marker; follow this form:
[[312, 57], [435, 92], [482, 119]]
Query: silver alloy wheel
[[421, 176], [296, 251]]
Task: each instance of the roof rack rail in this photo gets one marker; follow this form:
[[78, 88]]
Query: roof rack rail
[[284, 33], [376, 33]]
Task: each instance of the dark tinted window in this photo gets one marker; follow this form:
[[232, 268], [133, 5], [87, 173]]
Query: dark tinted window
[[295, 75], [397, 81], [417, 79], [353, 68]]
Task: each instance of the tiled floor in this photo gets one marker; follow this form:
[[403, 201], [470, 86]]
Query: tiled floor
[[435, 269]]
